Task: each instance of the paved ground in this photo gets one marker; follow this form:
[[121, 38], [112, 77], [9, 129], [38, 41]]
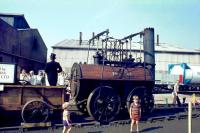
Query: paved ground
[[158, 126], [172, 126], [168, 98]]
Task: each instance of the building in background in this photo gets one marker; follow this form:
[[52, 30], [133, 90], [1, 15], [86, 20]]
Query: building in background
[[70, 51], [21, 44]]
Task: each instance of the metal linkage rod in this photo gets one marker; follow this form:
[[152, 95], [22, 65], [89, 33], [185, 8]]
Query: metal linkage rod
[[98, 35], [131, 36]]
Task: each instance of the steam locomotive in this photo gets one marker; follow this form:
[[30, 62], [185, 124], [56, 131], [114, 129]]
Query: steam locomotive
[[105, 88]]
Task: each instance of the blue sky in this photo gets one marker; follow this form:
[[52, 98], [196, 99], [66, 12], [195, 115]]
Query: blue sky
[[176, 21]]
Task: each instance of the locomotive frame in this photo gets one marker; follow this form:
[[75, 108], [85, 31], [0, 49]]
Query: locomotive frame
[[105, 88]]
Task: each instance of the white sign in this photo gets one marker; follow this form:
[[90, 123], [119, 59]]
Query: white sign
[[1, 87], [7, 73]]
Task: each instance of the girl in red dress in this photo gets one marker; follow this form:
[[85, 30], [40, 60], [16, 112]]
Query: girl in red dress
[[135, 113]]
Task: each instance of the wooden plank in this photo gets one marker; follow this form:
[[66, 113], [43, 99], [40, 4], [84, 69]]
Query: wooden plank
[[10, 100], [53, 93], [26, 99], [20, 96], [11, 107], [43, 93], [32, 86], [55, 100], [31, 125], [31, 92], [63, 96]]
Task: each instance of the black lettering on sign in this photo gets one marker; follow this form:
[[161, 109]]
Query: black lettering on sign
[[4, 76]]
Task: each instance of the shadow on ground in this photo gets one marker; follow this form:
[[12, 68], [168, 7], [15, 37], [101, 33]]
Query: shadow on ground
[[150, 129]]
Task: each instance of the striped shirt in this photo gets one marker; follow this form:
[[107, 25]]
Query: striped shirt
[[135, 109]]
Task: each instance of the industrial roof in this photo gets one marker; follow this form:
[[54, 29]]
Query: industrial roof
[[17, 21], [162, 47], [11, 14]]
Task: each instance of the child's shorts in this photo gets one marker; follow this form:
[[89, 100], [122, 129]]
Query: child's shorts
[[67, 124], [135, 117]]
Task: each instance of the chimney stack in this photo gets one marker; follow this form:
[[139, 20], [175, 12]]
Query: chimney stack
[[149, 49], [80, 38], [93, 34], [157, 40]]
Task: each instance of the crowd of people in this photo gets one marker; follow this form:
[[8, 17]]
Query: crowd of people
[[31, 78], [41, 78], [53, 75]]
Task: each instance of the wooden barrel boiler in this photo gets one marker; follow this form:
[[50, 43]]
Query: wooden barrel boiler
[[102, 91]]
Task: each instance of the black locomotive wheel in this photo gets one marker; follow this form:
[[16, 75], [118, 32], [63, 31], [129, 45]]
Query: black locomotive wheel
[[146, 99], [35, 111], [103, 104]]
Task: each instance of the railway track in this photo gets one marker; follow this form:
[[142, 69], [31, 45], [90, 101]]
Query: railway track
[[160, 114]]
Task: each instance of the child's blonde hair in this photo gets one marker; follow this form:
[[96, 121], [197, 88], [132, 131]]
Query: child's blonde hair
[[65, 105], [135, 97]]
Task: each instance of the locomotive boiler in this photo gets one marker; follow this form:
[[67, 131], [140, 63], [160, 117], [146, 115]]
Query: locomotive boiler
[[105, 88]]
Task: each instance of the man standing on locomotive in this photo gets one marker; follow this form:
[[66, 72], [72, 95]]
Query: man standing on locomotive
[[52, 69]]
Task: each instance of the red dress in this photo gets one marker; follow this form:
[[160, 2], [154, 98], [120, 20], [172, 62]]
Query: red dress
[[135, 112]]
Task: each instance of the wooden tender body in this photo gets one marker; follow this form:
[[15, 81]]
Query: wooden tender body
[[34, 102]]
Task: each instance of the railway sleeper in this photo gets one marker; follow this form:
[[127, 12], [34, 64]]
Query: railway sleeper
[[154, 119]]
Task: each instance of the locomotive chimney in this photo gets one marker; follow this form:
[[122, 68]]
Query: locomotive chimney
[[93, 34], [80, 38], [157, 40], [149, 50]]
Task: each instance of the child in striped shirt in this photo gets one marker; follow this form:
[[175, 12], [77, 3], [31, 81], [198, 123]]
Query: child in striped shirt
[[135, 113]]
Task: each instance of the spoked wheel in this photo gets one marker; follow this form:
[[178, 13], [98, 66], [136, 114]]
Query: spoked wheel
[[146, 99], [103, 104], [75, 88], [35, 111]]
